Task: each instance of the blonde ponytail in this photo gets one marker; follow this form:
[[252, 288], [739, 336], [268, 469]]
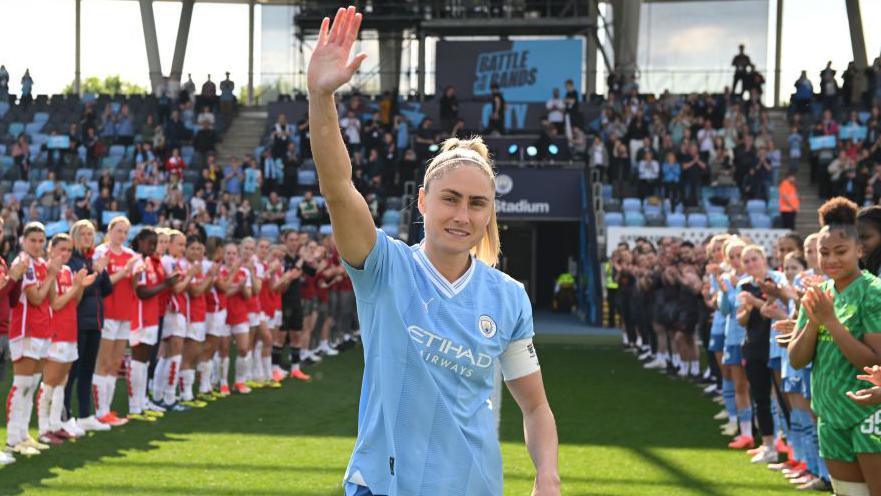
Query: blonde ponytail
[[454, 153]]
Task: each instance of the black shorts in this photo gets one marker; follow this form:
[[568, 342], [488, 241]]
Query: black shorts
[[292, 318]]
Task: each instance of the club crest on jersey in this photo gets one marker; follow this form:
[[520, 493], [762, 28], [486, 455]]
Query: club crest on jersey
[[487, 326]]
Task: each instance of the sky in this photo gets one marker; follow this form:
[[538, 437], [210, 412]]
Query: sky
[[674, 35]]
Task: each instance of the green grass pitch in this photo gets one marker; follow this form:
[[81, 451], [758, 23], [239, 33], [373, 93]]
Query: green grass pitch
[[623, 431]]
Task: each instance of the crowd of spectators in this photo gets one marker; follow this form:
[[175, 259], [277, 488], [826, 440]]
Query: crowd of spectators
[[840, 125], [109, 149]]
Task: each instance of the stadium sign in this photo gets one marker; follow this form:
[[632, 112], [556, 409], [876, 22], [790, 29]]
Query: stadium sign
[[524, 70], [538, 194]]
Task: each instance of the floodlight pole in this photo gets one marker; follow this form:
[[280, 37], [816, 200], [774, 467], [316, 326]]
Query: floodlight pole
[[76, 73], [150, 41], [778, 51], [857, 39], [251, 52], [180, 44]]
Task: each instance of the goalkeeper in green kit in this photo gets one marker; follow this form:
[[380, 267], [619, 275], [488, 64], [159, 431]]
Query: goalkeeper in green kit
[[839, 330]]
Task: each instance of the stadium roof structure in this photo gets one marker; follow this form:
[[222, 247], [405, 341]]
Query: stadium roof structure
[[430, 18]]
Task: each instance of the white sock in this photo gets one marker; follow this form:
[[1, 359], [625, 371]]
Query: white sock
[[169, 386], [56, 408], [224, 371], [215, 369], [15, 403], [158, 377], [137, 387], [187, 377], [695, 367], [144, 377], [256, 364], [111, 390], [44, 402], [267, 368], [664, 357], [323, 345], [746, 428], [98, 394], [204, 369], [243, 365], [28, 407]]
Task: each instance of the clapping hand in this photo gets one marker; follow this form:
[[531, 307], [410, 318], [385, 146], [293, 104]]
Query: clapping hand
[[785, 330], [818, 305], [870, 396]]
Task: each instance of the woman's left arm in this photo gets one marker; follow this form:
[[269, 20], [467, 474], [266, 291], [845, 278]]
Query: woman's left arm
[[540, 431]]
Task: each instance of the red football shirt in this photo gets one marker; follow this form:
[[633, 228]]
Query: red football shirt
[[237, 304], [33, 321], [121, 303], [198, 305], [149, 309], [64, 320]]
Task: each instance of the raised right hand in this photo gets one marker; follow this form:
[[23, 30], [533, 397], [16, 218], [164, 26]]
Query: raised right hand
[[329, 67]]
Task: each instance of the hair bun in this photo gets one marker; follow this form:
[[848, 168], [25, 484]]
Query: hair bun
[[838, 211], [475, 144]]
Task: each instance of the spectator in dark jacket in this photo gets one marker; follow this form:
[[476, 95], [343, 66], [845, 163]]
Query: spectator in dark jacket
[[90, 319], [175, 131]]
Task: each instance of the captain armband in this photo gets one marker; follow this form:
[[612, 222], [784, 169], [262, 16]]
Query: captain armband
[[519, 360]]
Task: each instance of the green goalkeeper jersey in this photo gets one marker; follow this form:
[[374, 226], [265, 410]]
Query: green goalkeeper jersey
[[858, 308]]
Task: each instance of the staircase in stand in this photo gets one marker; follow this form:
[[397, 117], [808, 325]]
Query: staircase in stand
[[244, 134]]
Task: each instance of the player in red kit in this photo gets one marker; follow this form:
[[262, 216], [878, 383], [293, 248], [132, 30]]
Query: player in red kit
[[63, 350], [30, 334]]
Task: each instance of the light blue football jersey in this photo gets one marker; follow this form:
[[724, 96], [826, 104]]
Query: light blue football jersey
[[717, 328], [425, 421], [734, 332]]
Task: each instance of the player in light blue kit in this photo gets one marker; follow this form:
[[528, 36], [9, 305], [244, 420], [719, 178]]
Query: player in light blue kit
[[433, 316]]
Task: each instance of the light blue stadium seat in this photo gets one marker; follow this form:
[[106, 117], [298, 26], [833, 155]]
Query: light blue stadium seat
[[116, 151], [676, 219], [319, 200], [390, 229], [613, 219], [718, 220], [41, 117], [391, 217], [634, 219], [326, 229], [307, 177], [110, 162], [697, 220], [295, 202], [394, 203], [607, 192], [291, 226], [669, 208], [653, 210], [760, 220], [15, 129], [269, 231], [631, 205], [34, 127], [756, 206], [4, 107], [291, 216]]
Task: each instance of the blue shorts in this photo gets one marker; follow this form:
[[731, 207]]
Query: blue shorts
[[353, 489], [733, 355], [792, 384], [775, 364], [806, 382], [717, 343]]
